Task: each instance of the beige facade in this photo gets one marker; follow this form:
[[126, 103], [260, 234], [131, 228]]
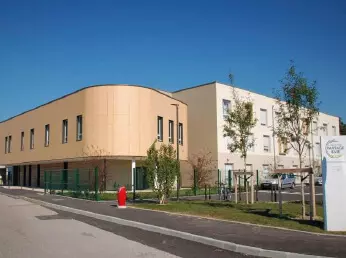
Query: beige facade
[[206, 120], [118, 121]]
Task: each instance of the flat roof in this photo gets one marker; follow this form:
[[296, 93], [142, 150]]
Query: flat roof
[[88, 87]]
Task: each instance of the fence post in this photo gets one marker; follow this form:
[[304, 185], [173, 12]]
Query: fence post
[[62, 185], [45, 182], [205, 192], [194, 182], [209, 193], [96, 185], [134, 185], [77, 179], [218, 181], [229, 180], [50, 182], [257, 185], [239, 188]]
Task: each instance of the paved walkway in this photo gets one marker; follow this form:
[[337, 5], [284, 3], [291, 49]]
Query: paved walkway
[[249, 235]]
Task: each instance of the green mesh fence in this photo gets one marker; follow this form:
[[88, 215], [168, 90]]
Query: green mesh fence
[[82, 183]]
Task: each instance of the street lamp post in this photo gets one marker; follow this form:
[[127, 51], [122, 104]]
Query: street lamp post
[[178, 179]]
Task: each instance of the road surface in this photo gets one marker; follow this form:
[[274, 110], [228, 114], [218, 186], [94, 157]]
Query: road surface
[[28, 230]]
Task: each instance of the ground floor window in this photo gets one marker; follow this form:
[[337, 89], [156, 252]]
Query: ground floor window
[[141, 178]]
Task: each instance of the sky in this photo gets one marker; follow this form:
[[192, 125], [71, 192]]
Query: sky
[[52, 48]]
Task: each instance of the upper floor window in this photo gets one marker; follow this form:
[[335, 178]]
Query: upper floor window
[[64, 130], [282, 142], [22, 141], [9, 143], [226, 107], [46, 135], [171, 131], [318, 149], [263, 116], [314, 128], [160, 128], [325, 129], [266, 143], [252, 140], [79, 128], [334, 130], [32, 138], [305, 127], [181, 134], [6, 144]]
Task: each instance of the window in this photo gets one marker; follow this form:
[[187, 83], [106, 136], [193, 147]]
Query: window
[[334, 130], [226, 107], [6, 144], [325, 129], [266, 143], [314, 127], [64, 130], [281, 167], [171, 131], [160, 128], [305, 127], [181, 134], [9, 144], [46, 135], [282, 142], [79, 128], [22, 141], [317, 149], [32, 138], [263, 116], [249, 167], [252, 140]]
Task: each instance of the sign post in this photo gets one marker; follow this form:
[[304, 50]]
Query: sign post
[[334, 179]]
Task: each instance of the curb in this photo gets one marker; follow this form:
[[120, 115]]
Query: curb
[[248, 250]]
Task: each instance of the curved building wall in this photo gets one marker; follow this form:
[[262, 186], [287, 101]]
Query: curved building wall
[[118, 120]]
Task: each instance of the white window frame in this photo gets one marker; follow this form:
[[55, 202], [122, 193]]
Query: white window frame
[[171, 131], [46, 135], [226, 107], [22, 141], [64, 131], [181, 134], [325, 129], [160, 128], [318, 149], [334, 130], [264, 147], [314, 128], [6, 144], [79, 133], [264, 111], [32, 138]]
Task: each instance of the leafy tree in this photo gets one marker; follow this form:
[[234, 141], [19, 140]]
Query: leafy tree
[[162, 170], [342, 127], [239, 122], [203, 165], [298, 104]]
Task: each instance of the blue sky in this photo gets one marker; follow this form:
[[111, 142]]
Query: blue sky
[[51, 48]]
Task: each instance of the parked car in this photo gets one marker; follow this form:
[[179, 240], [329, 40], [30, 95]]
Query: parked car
[[318, 180], [287, 181]]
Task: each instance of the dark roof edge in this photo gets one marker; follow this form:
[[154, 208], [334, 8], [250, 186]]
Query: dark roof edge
[[197, 86], [88, 87]]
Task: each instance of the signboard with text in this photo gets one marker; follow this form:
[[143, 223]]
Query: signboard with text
[[334, 182]]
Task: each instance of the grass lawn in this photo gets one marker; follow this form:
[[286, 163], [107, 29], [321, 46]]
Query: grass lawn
[[258, 213]]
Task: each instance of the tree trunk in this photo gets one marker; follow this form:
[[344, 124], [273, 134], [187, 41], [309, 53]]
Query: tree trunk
[[302, 188], [162, 199], [246, 185]]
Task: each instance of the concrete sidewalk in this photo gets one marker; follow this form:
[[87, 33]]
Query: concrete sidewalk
[[248, 235]]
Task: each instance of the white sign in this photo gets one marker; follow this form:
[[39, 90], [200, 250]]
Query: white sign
[[334, 182]]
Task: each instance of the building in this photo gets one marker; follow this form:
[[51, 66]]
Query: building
[[207, 107], [119, 122]]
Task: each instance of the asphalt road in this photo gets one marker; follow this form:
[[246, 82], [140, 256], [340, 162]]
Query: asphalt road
[[29, 230]]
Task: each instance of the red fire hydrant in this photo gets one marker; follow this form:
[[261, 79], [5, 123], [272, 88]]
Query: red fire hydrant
[[122, 197]]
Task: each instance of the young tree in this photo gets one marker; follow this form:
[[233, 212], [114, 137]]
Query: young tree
[[239, 122], [98, 159], [162, 170], [297, 100], [203, 165]]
